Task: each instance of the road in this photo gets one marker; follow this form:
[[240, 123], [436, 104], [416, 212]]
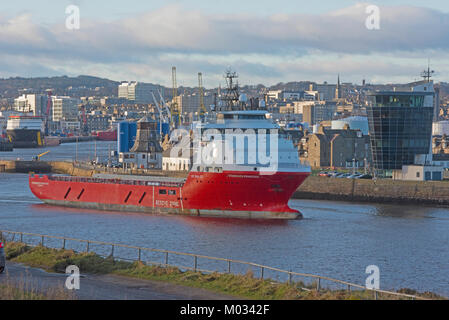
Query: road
[[106, 287]]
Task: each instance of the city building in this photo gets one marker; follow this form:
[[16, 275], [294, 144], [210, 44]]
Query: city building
[[326, 91], [318, 111], [64, 108], [343, 148], [138, 92], [147, 151], [400, 126], [35, 103], [190, 103]]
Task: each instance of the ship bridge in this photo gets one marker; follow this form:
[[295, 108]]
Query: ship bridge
[[244, 140]]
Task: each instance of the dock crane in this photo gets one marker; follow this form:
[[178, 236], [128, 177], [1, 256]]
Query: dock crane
[[201, 109], [168, 113], [38, 157], [162, 118]]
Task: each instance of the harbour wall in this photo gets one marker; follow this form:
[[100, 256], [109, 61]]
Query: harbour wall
[[380, 190], [75, 169]]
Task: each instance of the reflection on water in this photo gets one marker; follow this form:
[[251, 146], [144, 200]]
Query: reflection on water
[[404, 211]]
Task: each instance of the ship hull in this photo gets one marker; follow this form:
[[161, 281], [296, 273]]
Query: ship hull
[[229, 194], [25, 138]]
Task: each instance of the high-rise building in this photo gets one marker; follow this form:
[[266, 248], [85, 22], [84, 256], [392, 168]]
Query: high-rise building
[[138, 92], [400, 125], [35, 103], [190, 103], [326, 91], [317, 111], [64, 108]]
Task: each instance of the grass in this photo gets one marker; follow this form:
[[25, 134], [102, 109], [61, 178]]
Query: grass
[[242, 286]]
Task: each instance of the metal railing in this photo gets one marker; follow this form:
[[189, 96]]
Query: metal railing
[[111, 250]]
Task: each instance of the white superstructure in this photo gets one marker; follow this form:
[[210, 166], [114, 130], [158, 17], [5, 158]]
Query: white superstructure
[[244, 141], [25, 122]]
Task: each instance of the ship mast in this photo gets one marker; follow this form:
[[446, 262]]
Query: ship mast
[[231, 94]]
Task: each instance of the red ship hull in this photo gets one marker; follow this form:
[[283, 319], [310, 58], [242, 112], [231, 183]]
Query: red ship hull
[[107, 135], [226, 194]]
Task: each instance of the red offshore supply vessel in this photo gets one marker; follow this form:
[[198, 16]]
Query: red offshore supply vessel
[[241, 165], [211, 188]]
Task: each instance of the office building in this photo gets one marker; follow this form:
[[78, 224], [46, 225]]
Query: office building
[[400, 125]]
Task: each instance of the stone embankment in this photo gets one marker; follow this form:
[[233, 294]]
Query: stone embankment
[[380, 190]]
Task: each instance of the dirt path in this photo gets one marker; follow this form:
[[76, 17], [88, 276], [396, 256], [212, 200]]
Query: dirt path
[[108, 287]]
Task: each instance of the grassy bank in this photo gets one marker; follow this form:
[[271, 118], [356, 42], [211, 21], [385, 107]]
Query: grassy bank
[[242, 286], [22, 290]]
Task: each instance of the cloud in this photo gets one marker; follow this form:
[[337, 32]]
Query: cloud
[[199, 41]]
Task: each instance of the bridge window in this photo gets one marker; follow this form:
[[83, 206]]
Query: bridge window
[[172, 192], [162, 191]]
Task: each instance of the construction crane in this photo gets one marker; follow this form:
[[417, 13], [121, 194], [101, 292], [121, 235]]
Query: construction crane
[[175, 110], [38, 157], [47, 113], [201, 109], [85, 127]]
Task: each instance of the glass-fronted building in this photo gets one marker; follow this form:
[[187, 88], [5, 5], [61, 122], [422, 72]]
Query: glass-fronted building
[[400, 126]]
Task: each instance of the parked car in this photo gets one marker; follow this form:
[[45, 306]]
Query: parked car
[[2, 257], [353, 176], [337, 175], [323, 174], [364, 176], [344, 175]]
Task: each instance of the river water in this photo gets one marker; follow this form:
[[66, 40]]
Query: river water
[[409, 244]]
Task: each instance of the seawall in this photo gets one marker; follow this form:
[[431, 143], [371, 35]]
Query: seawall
[[13, 166], [81, 170], [380, 190]]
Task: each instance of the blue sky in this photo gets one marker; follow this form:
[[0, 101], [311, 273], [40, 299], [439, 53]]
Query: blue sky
[[264, 41]]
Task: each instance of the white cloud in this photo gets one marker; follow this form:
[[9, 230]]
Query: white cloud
[[261, 47]]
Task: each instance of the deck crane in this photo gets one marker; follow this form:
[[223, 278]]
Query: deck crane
[[201, 109]]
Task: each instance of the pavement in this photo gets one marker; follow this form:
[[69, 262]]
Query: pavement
[[106, 287]]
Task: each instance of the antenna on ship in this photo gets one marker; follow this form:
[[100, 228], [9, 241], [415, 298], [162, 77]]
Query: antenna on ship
[[427, 74], [231, 93]]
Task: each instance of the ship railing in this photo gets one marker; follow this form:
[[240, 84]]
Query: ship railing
[[117, 181], [191, 262]]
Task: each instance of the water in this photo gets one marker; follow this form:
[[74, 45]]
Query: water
[[409, 244]]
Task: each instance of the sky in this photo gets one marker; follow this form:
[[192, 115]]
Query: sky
[[263, 41]]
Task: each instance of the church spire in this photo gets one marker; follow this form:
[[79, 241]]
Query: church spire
[[337, 89]]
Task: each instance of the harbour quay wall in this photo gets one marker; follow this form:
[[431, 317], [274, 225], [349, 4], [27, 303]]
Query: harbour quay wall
[[20, 166], [77, 169], [380, 190]]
